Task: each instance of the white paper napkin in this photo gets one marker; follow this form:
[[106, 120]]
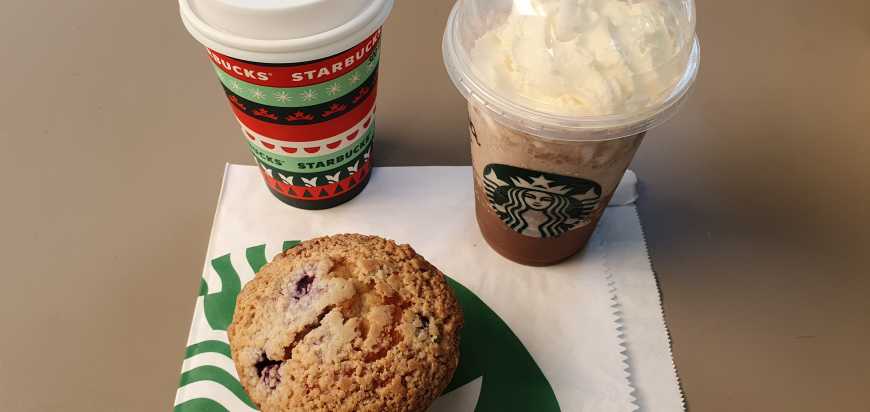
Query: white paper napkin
[[564, 315], [648, 346]]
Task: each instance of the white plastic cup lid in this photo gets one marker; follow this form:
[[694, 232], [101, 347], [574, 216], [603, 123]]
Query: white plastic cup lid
[[282, 31], [574, 69]]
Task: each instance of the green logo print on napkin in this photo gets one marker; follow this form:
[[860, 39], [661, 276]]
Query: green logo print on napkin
[[218, 309], [220, 306], [511, 380]]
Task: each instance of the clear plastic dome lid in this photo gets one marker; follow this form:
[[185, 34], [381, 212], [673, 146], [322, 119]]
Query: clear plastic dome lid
[[603, 67]]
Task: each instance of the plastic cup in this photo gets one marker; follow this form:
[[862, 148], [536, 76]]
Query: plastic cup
[[548, 152], [301, 78]]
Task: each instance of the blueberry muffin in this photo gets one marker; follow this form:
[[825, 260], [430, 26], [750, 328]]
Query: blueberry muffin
[[346, 323]]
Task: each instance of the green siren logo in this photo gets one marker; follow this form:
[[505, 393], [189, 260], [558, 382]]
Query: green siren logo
[[495, 373], [538, 204]]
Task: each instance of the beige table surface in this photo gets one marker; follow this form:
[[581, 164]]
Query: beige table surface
[[114, 134]]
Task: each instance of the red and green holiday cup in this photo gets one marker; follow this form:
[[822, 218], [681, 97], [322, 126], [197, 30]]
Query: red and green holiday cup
[[301, 78]]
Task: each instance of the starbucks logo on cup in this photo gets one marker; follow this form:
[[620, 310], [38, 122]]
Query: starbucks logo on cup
[[539, 204]]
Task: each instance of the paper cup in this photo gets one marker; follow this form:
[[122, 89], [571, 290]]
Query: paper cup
[[301, 79]]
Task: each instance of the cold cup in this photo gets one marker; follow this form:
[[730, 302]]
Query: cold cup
[[560, 96], [301, 78]]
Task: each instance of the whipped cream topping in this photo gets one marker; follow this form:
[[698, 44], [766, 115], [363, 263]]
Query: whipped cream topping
[[581, 57]]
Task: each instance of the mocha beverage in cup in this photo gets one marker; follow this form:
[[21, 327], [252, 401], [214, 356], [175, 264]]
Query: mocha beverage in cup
[[301, 77], [560, 95]]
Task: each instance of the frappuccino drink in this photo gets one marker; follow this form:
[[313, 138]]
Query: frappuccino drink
[[560, 96]]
